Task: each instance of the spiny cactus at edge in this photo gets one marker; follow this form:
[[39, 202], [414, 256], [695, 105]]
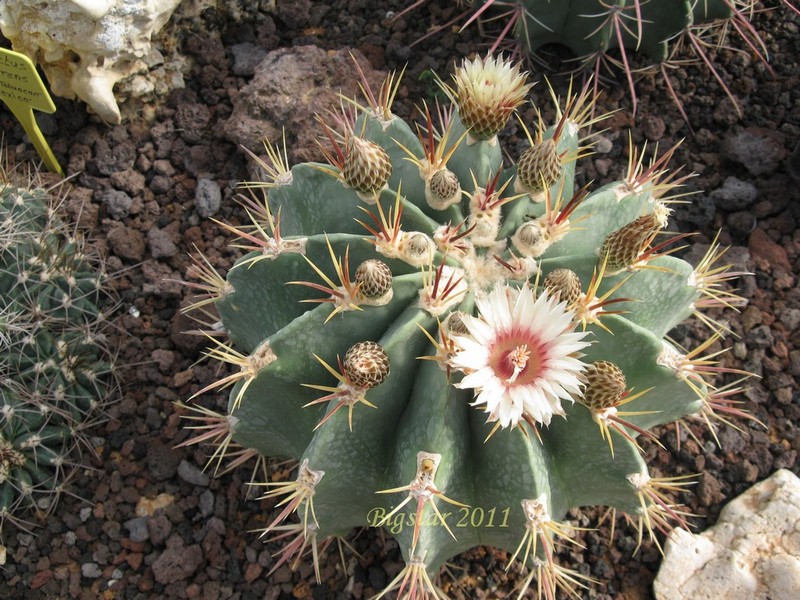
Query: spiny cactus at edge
[[55, 371], [452, 350], [604, 35]]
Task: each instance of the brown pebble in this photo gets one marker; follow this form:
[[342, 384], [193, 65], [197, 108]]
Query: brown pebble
[[252, 572], [40, 578], [145, 584], [302, 590], [134, 559], [767, 253]]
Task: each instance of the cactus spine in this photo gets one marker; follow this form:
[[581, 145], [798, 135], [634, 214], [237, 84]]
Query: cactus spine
[[507, 372]]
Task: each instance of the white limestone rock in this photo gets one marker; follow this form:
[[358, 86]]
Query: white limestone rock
[[86, 46], [752, 553]]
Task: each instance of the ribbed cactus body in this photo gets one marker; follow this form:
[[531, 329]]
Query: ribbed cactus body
[[588, 27], [415, 454], [54, 369]]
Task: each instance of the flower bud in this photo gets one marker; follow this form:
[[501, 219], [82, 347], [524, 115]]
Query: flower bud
[[367, 167], [538, 168], [563, 284], [604, 385], [366, 364]]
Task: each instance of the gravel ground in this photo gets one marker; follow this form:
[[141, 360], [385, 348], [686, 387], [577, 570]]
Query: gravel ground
[[146, 522]]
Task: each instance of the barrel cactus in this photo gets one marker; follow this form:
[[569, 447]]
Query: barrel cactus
[[55, 372], [453, 350]]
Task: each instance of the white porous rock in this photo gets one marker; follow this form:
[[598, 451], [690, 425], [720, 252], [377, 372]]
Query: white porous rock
[[752, 553], [87, 46]]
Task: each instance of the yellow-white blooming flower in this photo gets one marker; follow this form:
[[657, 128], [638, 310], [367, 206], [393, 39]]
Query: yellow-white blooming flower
[[522, 355], [487, 92]]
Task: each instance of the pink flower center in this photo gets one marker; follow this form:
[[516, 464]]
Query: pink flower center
[[516, 359]]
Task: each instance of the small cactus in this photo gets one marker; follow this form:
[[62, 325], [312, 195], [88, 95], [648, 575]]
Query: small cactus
[[54, 367], [458, 370]]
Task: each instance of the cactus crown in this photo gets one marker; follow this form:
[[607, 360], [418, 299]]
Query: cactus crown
[[460, 369]]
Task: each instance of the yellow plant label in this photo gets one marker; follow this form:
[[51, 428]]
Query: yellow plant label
[[23, 91]]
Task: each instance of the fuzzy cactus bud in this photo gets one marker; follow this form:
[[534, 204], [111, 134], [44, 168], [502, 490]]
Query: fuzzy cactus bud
[[487, 93], [367, 167], [454, 323], [563, 284], [538, 168], [442, 189], [530, 239], [374, 278], [417, 248], [366, 364], [604, 385], [622, 248]]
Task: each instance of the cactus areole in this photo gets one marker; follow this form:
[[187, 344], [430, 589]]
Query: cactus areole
[[459, 369]]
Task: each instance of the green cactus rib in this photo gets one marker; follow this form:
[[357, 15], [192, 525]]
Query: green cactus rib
[[271, 417], [434, 421], [261, 303], [359, 461], [412, 452], [585, 458], [306, 206]]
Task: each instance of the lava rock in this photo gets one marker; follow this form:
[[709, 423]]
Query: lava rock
[[759, 150], [192, 121], [191, 474], [113, 158], [117, 202], [177, 563], [137, 529], [245, 58], [161, 244], [127, 243], [734, 194], [767, 254], [207, 197], [162, 460], [290, 86]]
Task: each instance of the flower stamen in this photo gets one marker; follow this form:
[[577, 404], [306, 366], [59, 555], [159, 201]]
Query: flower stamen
[[518, 359]]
